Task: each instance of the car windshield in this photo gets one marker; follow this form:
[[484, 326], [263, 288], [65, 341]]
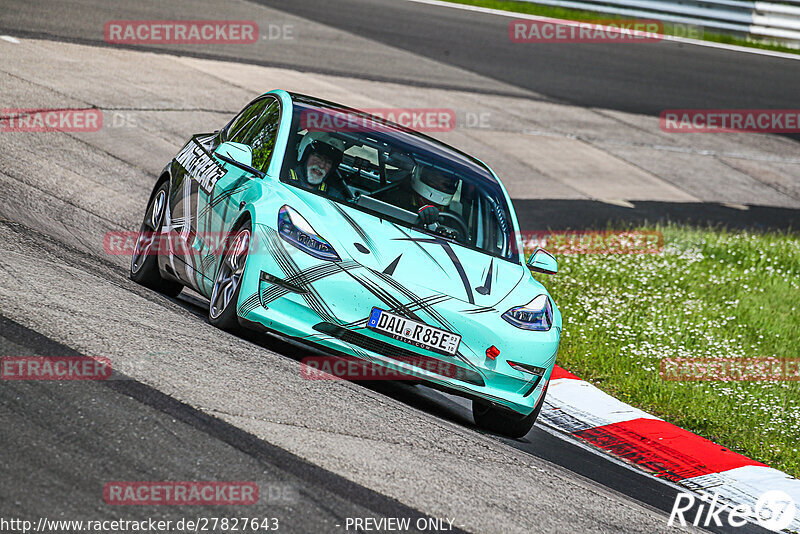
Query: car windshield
[[397, 174]]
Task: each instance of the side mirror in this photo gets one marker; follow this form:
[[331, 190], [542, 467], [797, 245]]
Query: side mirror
[[238, 155], [542, 261]]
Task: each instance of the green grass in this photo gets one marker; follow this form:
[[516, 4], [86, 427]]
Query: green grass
[[580, 15], [709, 293]]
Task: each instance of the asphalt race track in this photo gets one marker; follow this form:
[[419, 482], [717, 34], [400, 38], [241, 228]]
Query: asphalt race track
[[635, 79], [189, 402], [638, 80]]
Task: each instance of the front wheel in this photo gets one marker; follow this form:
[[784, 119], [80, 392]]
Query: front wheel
[[504, 422], [144, 263], [225, 294]]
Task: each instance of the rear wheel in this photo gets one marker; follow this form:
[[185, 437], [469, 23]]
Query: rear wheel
[[144, 263], [225, 294], [489, 417]]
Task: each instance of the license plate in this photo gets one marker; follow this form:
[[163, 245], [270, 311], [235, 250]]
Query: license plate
[[413, 332]]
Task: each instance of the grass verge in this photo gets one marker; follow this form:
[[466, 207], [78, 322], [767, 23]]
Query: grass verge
[[709, 294], [580, 15]]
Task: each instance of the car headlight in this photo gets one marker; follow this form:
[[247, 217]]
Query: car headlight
[[535, 315], [292, 227]]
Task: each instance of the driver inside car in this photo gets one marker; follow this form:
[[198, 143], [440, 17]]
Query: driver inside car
[[319, 156], [429, 192]]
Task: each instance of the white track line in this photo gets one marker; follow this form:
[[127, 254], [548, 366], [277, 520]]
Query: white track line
[[686, 40]]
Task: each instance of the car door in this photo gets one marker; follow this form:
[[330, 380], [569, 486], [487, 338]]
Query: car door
[[219, 209], [198, 179], [194, 173]]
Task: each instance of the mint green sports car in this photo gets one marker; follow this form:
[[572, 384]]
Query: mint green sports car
[[358, 239]]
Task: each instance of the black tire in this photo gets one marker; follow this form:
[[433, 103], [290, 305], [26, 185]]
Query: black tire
[[144, 263], [499, 421], [227, 285]]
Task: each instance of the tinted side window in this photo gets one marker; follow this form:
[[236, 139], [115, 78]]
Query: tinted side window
[[244, 122], [262, 136]]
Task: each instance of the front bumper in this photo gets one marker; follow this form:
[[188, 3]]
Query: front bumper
[[325, 305]]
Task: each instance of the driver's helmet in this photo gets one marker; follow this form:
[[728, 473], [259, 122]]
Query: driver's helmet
[[437, 187], [322, 144]]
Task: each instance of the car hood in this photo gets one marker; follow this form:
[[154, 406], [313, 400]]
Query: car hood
[[413, 258]]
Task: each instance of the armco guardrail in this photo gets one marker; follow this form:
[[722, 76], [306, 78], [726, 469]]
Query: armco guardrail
[[765, 20]]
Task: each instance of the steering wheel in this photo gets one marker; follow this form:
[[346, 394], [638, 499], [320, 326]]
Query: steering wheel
[[462, 226], [345, 186]]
